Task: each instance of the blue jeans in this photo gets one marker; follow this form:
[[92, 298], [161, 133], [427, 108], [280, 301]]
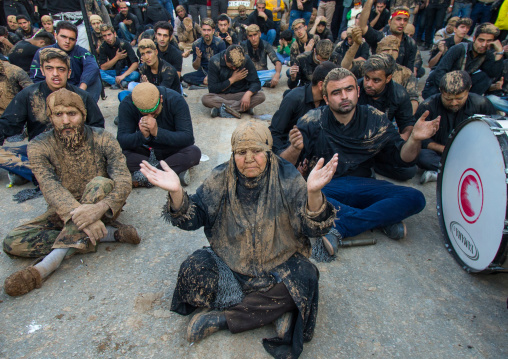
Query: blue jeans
[[282, 58], [195, 77], [500, 103], [265, 76], [298, 14], [367, 203], [124, 33], [15, 160], [110, 75], [168, 5], [480, 14], [462, 10], [269, 36]]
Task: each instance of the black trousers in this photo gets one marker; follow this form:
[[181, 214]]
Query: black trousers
[[179, 161]]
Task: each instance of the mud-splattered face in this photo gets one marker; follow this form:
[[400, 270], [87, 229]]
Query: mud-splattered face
[[454, 102], [251, 162], [342, 95], [96, 25], [254, 38], [66, 39], [109, 36], [56, 73], [25, 25], [482, 43], [148, 56], [69, 125], [398, 24], [48, 26], [391, 51], [163, 38], [207, 33], [223, 26], [461, 31], [13, 24], [374, 82]]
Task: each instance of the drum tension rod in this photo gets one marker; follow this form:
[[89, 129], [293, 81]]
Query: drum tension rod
[[498, 130]]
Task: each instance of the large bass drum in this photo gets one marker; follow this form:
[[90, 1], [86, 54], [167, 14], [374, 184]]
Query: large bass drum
[[472, 194]]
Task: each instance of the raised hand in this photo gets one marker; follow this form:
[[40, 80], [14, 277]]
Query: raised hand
[[296, 138], [166, 179], [425, 129], [321, 175]]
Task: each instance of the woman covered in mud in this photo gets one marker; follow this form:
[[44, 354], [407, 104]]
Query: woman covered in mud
[[257, 212]]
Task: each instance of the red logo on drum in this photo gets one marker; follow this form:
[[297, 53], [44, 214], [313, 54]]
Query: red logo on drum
[[470, 195]]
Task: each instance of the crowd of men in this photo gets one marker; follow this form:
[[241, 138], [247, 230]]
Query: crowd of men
[[353, 71]]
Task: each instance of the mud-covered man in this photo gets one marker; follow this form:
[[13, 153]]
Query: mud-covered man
[[155, 125], [258, 51], [233, 84], [257, 213], [454, 104], [82, 174], [304, 40], [29, 108], [357, 133], [202, 51], [12, 80], [97, 40], [25, 29]]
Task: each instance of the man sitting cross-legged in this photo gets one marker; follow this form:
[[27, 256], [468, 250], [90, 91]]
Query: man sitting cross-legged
[[357, 133], [155, 124], [258, 50], [84, 179], [233, 84]]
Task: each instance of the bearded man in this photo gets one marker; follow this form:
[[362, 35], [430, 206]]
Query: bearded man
[[84, 178]]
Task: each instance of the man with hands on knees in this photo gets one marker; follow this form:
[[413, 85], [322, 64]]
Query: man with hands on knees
[[233, 84], [263, 268], [358, 133], [82, 174]]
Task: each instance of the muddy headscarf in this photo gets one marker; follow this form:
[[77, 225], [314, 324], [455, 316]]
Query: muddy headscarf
[[146, 97], [251, 134], [64, 97], [389, 42], [95, 17]]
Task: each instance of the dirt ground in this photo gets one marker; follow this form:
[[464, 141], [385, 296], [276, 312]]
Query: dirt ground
[[406, 299]]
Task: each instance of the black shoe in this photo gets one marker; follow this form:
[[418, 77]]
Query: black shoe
[[331, 241], [115, 87], [267, 84], [215, 112], [204, 324], [250, 111], [231, 111], [185, 178], [395, 231]]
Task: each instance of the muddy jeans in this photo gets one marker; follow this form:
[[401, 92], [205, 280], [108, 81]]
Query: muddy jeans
[[233, 100], [15, 160], [41, 235]]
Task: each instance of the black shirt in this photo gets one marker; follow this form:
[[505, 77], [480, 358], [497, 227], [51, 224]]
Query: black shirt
[[383, 18], [307, 6], [208, 51], [234, 37], [343, 46], [58, 6], [107, 52], [264, 25], [449, 42], [25, 35], [475, 105], [219, 74], [22, 55], [174, 125], [407, 49], [307, 65], [166, 76], [259, 57], [172, 55], [368, 133], [393, 101], [294, 105], [29, 107]]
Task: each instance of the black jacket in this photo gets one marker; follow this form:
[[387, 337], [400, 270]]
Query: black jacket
[[166, 76], [264, 25]]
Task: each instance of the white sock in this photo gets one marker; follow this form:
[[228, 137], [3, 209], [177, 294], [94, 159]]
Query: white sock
[[110, 237], [51, 262]]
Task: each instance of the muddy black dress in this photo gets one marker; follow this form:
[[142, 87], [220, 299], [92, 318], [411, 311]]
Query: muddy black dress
[[258, 232]]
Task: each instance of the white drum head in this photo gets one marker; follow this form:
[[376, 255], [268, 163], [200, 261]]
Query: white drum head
[[474, 195]]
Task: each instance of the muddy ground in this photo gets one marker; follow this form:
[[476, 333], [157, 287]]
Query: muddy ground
[[406, 299]]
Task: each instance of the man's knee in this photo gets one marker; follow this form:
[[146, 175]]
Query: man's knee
[[209, 100], [196, 266], [97, 189], [415, 199]]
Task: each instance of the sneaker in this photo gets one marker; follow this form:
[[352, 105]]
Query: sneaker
[[267, 84], [395, 231], [331, 241], [204, 324], [197, 87], [215, 112], [184, 84], [185, 178], [231, 111], [16, 180], [428, 176]]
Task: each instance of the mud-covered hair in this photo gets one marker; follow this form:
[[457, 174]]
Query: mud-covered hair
[[105, 27], [321, 71], [464, 21], [378, 62], [455, 82], [209, 22], [487, 28], [50, 53], [324, 48], [235, 54], [337, 74]]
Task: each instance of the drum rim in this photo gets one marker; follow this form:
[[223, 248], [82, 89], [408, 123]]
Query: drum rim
[[502, 252]]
